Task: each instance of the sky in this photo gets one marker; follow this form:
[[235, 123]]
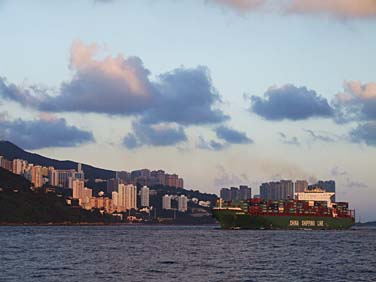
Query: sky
[[221, 92]]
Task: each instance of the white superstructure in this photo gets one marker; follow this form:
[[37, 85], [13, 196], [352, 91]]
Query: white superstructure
[[316, 195]]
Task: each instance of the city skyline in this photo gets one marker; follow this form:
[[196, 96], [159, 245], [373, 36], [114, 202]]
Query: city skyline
[[220, 92]]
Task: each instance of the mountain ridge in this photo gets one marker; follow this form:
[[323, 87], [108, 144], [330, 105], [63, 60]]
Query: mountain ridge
[[11, 151]]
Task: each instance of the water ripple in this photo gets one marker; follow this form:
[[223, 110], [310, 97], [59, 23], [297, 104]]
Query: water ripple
[[170, 253]]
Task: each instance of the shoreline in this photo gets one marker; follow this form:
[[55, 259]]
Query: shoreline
[[2, 224]]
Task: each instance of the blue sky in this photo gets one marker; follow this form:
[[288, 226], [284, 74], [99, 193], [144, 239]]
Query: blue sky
[[182, 93]]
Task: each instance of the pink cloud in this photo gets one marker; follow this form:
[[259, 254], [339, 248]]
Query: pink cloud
[[342, 9], [125, 72], [242, 5], [47, 116], [337, 8], [365, 91]]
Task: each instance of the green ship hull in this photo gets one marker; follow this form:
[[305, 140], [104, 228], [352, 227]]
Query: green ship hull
[[238, 219]]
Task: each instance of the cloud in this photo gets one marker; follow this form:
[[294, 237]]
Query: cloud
[[343, 9], [104, 1], [350, 183], [356, 103], [43, 133], [336, 171], [322, 136], [241, 6], [154, 135], [346, 179], [227, 179], [365, 133], [122, 86], [232, 136], [211, 145], [112, 85], [289, 140], [25, 97], [338, 9], [185, 96], [131, 142], [290, 102]]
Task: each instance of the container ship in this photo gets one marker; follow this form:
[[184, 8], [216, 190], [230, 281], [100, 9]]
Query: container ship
[[311, 209]]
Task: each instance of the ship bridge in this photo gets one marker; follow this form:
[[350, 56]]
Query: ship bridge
[[316, 195]]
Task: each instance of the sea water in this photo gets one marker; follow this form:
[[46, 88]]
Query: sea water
[[184, 253]]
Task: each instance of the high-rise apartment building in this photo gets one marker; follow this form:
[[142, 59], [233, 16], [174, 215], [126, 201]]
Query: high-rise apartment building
[[144, 195], [159, 177], [172, 180], [6, 164], [123, 177], [115, 197], [61, 177], [37, 176], [281, 190], [245, 193], [19, 166], [225, 194], [166, 202], [78, 187], [127, 197], [182, 203], [287, 189], [234, 193], [301, 186], [180, 183]]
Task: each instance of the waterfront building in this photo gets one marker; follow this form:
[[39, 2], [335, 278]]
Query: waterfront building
[[242, 193], [88, 193], [78, 187], [115, 199], [182, 203], [180, 183], [245, 193], [234, 191], [159, 177], [61, 177], [166, 202], [37, 176], [144, 195], [19, 166], [301, 186], [172, 180], [141, 176], [127, 197], [6, 164], [99, 203], [225, 194], [281, 190], [123, 177]]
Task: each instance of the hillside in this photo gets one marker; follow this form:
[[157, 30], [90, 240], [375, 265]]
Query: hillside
[[18, 204], [11, 151], [10, 181], [366, 224]]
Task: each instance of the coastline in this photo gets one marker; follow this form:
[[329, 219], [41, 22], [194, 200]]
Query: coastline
[[105, 224]]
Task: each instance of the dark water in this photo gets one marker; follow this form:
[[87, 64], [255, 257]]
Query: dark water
[[165, 253]]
